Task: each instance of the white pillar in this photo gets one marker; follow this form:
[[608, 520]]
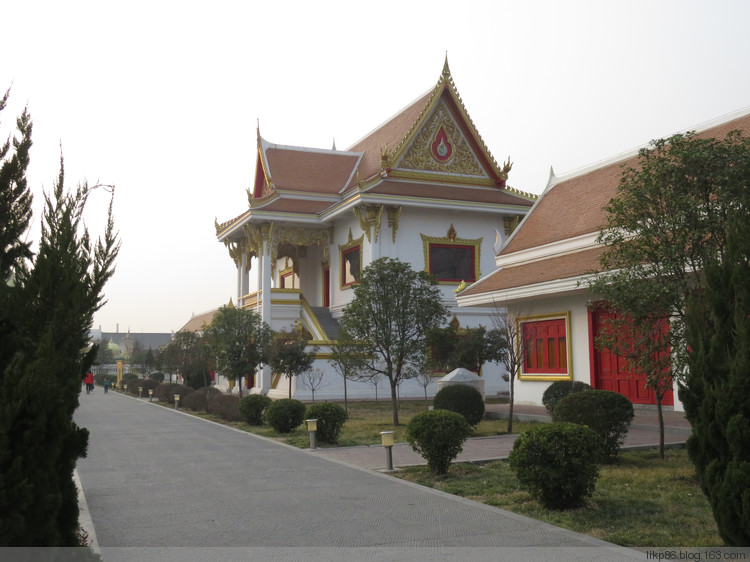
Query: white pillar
[[265, 308], [244, 276]]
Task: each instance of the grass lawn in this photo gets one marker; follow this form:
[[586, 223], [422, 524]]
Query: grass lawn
[[366, 421], [641, 501]]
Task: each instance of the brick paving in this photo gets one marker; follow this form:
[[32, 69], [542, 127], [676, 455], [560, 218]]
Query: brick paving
[[162, 485]]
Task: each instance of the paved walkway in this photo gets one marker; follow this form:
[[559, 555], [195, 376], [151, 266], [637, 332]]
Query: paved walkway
[[163, 485], [643, 434]]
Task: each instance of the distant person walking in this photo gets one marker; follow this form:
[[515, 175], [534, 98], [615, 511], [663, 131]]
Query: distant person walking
[[89, 380]]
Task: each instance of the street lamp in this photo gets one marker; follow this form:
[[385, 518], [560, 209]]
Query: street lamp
[[150, 394], [387, 439], [312, 427], [176, 401], [140, 391]]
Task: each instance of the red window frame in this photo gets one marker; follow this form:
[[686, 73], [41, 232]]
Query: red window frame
[[545, 346]]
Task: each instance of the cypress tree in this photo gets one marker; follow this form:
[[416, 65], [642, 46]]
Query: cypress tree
[[48, 306], [716, 393]]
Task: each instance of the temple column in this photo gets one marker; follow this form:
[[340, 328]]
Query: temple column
[[266, 280], [245, 281]]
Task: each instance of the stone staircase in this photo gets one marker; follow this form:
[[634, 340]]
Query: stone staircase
[[326, 320]]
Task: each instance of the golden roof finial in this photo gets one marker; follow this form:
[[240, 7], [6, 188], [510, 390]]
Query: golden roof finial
[[446, 68]]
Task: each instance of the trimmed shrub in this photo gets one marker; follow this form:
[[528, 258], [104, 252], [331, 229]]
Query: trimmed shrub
[[462, 399], [101, 377], [331, 418], [145, 384], [252, 406], [559, 390], [438, 435], [127, 378], [165, 392], [608, 413], [225, 406], [556, 463], [198, 401], [158, 377], [285, 415]]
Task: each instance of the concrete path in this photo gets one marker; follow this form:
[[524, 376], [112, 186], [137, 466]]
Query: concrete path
[[163, 485], [643, 434]]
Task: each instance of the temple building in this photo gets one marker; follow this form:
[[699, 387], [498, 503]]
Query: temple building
[[422, 188], [541, 274]]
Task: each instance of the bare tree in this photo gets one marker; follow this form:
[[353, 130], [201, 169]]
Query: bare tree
[[374, 380], [313, 380], [424, 378], [509, 336]]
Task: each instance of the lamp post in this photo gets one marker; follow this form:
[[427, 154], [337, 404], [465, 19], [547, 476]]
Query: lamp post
[[150, 394], [387, 439], [312, 427], [176, 401], [140, 391]]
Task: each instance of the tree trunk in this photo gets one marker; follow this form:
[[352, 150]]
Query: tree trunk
[[394, 402], [239, 386], [346, 403], [510, 406], [661, 426], [290, 385]]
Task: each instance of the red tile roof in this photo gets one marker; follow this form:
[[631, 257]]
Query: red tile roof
[[570, 208]]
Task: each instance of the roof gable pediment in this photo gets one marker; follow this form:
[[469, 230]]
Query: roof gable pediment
[[441, 149], [442, 143]]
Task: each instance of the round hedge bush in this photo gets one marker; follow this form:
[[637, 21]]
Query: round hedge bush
[[438, 435], [331, 418], [225, 406], [158, 377], [608, 413], [198, 401], [165, 392], [145, 384], [128, 378], [252, 406], [462, 399], [556, 463], [285, 415], [559, 390]]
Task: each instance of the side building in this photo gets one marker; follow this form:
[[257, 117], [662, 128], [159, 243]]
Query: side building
[[541, 277], [422, 188]]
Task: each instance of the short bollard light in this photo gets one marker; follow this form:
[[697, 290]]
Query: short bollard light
[[387, 438], [176, 401], [312, 427], [150, 394], [140, 392]]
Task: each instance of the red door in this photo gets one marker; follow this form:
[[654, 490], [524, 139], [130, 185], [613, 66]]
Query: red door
[[611, 372]]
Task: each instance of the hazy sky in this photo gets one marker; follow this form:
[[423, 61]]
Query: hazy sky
[[162, 100]]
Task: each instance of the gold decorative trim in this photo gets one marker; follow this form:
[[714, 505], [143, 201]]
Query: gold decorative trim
[[371, 218], [394, 213], [546, 377], [451, 239], [463, 161], [510, 224], [352, 243]]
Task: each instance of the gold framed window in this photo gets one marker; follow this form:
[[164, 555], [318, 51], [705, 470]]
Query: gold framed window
[[450, 259]]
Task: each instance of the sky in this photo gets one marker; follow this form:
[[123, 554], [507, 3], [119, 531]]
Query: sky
[[163, 99]]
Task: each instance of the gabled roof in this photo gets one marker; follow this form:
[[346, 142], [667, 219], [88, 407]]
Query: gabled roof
[[431, 146], [556, 240], [198, 322]]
